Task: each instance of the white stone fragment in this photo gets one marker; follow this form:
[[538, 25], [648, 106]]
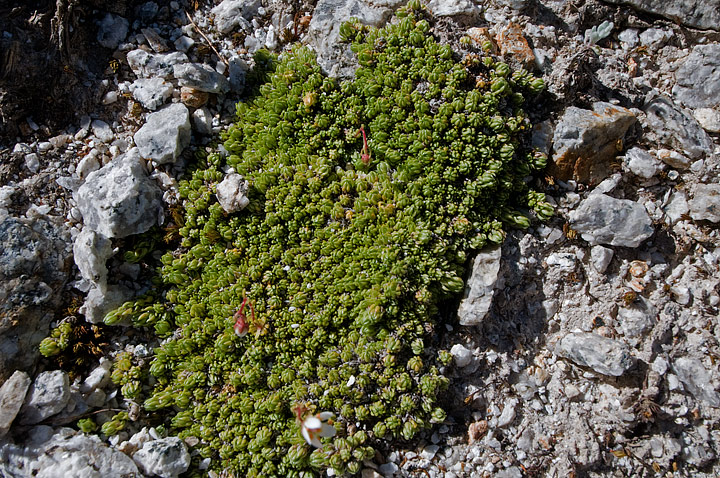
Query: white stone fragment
[[151, 92], [480, 287], [166, 458], [641, 163], [229, 13], [462, 355], [601, 257], [112, 30], [102, 131], [708, 118], [202, 121], [32, 163], [705, 204], [232, 193], [91, 251], [47, 396], [697, 379], [12, 396]]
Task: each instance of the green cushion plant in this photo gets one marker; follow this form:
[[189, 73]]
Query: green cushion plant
[[367, 197]]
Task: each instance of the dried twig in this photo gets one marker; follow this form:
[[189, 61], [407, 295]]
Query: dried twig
[[206, 39]]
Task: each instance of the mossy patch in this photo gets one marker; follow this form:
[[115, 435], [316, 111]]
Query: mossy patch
[[366, 198]]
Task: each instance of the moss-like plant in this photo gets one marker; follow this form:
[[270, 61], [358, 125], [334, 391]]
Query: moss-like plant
[[366, 198]]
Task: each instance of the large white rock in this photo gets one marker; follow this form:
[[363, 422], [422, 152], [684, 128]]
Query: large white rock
[[167, 457], [12, 396], [48, 395], [119, 199], [48, 453], [480, 287], [602, 219], [165, 134]]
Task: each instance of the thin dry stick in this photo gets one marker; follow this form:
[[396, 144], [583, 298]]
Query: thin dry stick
[[207, 39]]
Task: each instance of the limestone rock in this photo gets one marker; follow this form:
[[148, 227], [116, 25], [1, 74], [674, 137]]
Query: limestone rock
[[602, 219], [165, 134], [149, 65], [47, 396], [462, 355], [119, 199], [101, 301], [515, 47], [12, 396], [705, 204], [232, 193], [112, 29], [229, 13], [675, 128], [201, 77], [35, 262], [641, 163], [335, 58], [586, 142], [458, 9], [480, 287], [698, 77], [693, 13], [91, 250], [697, 380], [167, 457], [603, 355], [151, 92], [48, 453]]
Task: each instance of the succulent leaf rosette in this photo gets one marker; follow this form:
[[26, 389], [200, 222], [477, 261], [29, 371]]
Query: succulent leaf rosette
[[366, 198]]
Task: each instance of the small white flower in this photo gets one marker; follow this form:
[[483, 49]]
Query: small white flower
[[316, 426]]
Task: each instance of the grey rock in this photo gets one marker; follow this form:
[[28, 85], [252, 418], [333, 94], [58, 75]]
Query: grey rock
[[462, 355], [674, 159], [675, 128], [184, 44], [98, 378], [693, 13], [201, 77], [32, 163], [165, 134], [698, 77], [603, 355], [151, 92], [601, 257], [101, 301], [146, 12], [48, 453], [35, 263], [641, 163], [119, 199], [156, 42], [167, 457], [697, 379], [112, 30], [237, 70], [47, 396], [602, 219], [705, 204], [149, 65], [480, 287], [335, 58], [585, 142], [91, 250], [232, 193], [12, 396], [461, 9], [202, 121], [229, 13], [637, 319]]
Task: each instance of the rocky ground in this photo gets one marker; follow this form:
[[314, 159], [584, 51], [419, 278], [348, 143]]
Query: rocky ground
[[586, 346]]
